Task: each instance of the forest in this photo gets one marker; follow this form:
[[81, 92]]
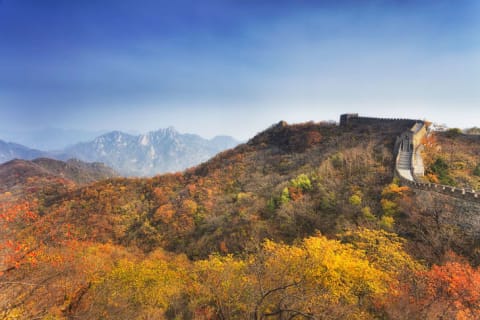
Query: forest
[[303, 221]]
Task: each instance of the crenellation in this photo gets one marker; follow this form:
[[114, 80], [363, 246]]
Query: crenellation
[[447, 190]]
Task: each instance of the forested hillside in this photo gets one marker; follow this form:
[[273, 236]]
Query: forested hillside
[[303, 221]]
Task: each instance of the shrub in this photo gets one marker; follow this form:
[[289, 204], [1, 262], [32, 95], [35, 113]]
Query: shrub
[[355, 200], [476, 171], [387, 222], [389, 207], [441, 169], [285, 196], [302, 182], [453, 132], [367, 214], [337, 160]]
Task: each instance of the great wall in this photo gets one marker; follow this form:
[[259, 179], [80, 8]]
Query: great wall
[[409, 164]]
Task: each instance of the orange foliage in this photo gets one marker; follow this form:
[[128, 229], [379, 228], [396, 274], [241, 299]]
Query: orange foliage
[[295, 193], [16, 250], [223, 247], [449, 291], [393, 191], [312, 137], [432, 178], [164, 213], [162, 194], [456, 286]]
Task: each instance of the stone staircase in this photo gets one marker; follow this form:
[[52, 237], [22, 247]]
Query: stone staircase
[[404, 165]]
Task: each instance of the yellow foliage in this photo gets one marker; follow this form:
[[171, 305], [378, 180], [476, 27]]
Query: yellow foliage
[[316, 276], [389, 207], [355, 200], [222, 282], [387, 222], [327, 268], [148, 286], [367, 213], [189, 206], [384, 249]]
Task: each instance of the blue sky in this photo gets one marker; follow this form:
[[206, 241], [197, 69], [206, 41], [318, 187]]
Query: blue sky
[[235, 67]]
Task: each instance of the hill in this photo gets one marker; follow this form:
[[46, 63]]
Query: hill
[[23, 175], [236, 197], [346, 240]]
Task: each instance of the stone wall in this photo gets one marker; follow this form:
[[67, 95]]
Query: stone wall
[[349, 119], [467, 194]]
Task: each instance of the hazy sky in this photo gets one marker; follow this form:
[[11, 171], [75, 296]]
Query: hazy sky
[[235, 67]]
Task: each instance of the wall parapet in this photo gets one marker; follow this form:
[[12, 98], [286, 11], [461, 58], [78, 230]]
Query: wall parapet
[[463, 193], [354, 118]]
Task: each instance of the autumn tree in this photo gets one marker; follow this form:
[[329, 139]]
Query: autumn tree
[[448, 291], [135, 289]]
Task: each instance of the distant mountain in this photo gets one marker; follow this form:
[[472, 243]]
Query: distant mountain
[[10, 151], [17, 174], [164, 150], [49, 138]]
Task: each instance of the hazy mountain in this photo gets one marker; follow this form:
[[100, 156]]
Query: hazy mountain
[[9, 151], [164, 150], [49, 138]]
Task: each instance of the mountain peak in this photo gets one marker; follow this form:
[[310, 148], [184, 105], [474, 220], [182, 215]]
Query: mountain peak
[[169, 131]]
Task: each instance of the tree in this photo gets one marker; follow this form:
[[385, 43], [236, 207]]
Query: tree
[[148, 288], [316, 278], [449, 291], [222, 286]]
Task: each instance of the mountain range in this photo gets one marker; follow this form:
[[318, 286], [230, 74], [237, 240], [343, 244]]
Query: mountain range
[[164, 150]]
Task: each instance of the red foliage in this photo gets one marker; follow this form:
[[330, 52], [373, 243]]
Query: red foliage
[[457, 286], [17, 250], [449, 291]]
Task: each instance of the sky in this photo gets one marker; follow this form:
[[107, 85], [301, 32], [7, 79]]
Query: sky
[[234, 67]]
